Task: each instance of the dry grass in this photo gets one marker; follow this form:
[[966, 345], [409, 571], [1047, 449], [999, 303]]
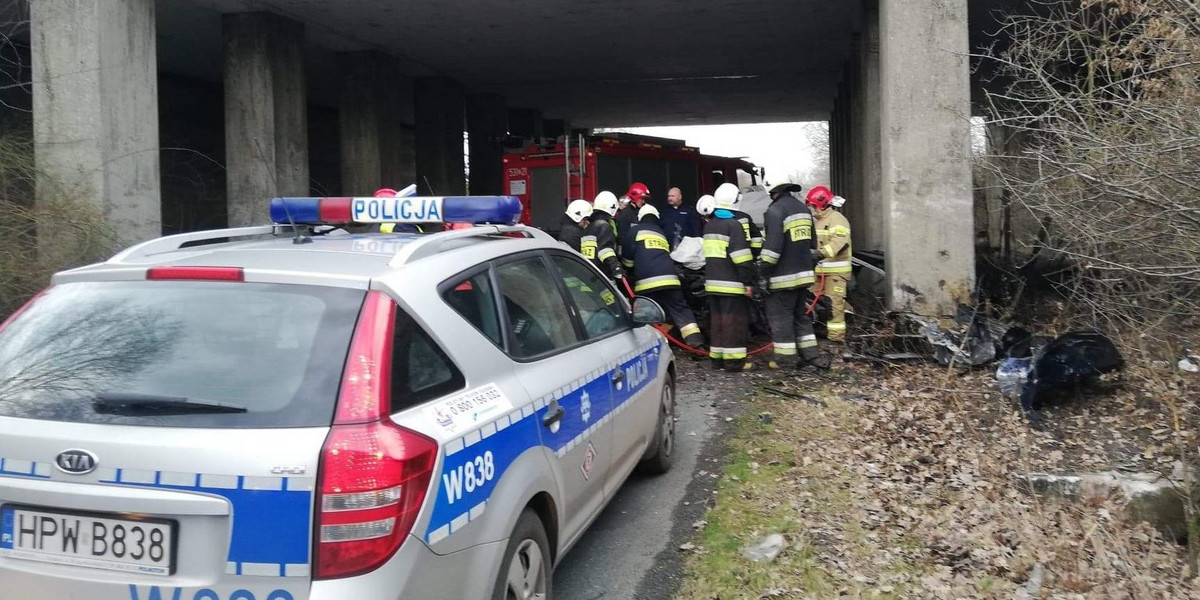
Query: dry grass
[[895, 489]]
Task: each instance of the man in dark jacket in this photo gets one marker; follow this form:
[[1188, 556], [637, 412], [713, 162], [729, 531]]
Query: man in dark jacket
[[654, 276], [787, 267], [729, 281], [679, 220], [574, 224], [599, 243]]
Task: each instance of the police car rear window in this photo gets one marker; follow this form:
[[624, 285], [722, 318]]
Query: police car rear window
[[228, 355]]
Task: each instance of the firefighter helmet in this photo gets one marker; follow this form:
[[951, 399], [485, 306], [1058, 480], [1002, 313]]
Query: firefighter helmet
[[706, 205], [820, 197], [606, 202], [727, 196], [838, 202], [648, 210], [579, 210], [638, 192]]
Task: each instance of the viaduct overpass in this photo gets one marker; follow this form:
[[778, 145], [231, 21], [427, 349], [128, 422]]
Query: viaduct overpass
[[178, 114]]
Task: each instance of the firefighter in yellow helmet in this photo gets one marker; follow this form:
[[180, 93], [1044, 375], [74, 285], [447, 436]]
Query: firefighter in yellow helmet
[[834, 251]]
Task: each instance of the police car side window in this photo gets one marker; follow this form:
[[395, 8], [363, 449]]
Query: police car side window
[[420, 370], [599, 308], [474, 299], [537, 318]]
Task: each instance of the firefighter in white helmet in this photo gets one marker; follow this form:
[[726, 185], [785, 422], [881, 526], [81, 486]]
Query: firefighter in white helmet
[[729, 280], [705, 206], [654, 275], [574, 223], [728, 193], [600, 240]]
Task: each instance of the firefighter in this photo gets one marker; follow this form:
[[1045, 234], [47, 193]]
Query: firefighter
[[574, 223], [654, 275], [787, 268], [729, 283], [627, 219], [750, 229], [599, 241], [834, 252]]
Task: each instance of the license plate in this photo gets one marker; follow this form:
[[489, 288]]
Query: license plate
[[96, 541]]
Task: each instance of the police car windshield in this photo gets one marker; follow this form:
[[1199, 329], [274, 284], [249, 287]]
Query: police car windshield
[[275, 350]]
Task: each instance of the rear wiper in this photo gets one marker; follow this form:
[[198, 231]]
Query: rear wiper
[[149, 404]]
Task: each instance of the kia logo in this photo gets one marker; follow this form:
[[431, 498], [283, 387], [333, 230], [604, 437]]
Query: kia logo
[[76, 462]]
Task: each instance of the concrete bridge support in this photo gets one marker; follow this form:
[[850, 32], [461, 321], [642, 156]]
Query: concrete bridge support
[[95, 109], [901, 150], [487, 124], [266, 114], [439, 106], [376, 151], [926, 154]]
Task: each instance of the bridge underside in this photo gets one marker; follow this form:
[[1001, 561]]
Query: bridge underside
[[308, 96]]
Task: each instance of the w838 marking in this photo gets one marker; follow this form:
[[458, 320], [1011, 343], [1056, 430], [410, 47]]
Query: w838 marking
[[473, 474]]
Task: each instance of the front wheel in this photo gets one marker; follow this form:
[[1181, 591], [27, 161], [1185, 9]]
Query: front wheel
[[525, 573], [664, 434]]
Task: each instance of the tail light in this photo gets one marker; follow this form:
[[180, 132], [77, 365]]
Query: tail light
[[374, 473], [196, 274]]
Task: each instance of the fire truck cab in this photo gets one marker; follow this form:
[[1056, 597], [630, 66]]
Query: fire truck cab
[[546, 176]]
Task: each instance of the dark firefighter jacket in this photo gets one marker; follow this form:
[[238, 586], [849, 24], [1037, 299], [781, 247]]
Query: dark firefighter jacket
[[787, 260], [750, 228], [571, 234], [600, 245], [653, 268], [626, 221], [728, 261]]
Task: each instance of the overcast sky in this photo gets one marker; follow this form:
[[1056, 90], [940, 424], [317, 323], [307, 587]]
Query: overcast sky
[[779, 147]]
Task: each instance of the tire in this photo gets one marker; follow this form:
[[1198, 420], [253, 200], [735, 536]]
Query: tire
[[664, 435], [526, 572]]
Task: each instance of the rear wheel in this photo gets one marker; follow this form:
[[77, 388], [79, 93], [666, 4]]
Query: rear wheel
[[664, 434], [525, 573]]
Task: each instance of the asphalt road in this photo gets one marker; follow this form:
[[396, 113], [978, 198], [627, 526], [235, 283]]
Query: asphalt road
[[631, 550]]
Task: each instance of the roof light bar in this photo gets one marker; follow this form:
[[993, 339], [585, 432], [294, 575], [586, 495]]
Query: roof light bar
[[500, 210]]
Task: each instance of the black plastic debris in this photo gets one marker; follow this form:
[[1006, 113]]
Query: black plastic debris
[[1072, 359]]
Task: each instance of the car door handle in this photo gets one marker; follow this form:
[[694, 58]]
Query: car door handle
[[618, 376], [554, 415]]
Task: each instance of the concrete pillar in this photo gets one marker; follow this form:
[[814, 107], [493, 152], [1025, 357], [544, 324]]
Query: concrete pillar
[[95, 111], [525, 123], [266, 113], [439, 105], [866, 207], [834, 147], [372, 139], [405, 169], [926, 154], [487, 125]]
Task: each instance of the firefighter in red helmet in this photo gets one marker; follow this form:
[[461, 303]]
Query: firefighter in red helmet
[[834, 254], [627, 220]]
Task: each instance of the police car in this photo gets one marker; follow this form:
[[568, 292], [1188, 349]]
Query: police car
[[302, 412]]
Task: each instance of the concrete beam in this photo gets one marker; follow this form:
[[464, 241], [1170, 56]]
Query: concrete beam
[[439, 105], [266, 113], [95, 110], [375, 151], [926, 156], [487, 124], [866, 208]]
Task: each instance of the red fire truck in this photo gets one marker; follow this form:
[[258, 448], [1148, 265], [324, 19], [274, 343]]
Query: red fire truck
[[547, 177]]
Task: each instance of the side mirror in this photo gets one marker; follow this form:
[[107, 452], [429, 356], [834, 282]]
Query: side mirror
[[647, 311]]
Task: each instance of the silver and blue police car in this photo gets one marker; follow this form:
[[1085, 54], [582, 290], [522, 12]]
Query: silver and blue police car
[[302, 412]]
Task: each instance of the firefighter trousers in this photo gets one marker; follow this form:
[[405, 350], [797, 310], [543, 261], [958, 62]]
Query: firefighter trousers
[[730, 331], [675, 305], [791, 327], [835, 288]]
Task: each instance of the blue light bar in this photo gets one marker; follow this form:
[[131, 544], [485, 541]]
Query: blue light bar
[[505, 210]]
